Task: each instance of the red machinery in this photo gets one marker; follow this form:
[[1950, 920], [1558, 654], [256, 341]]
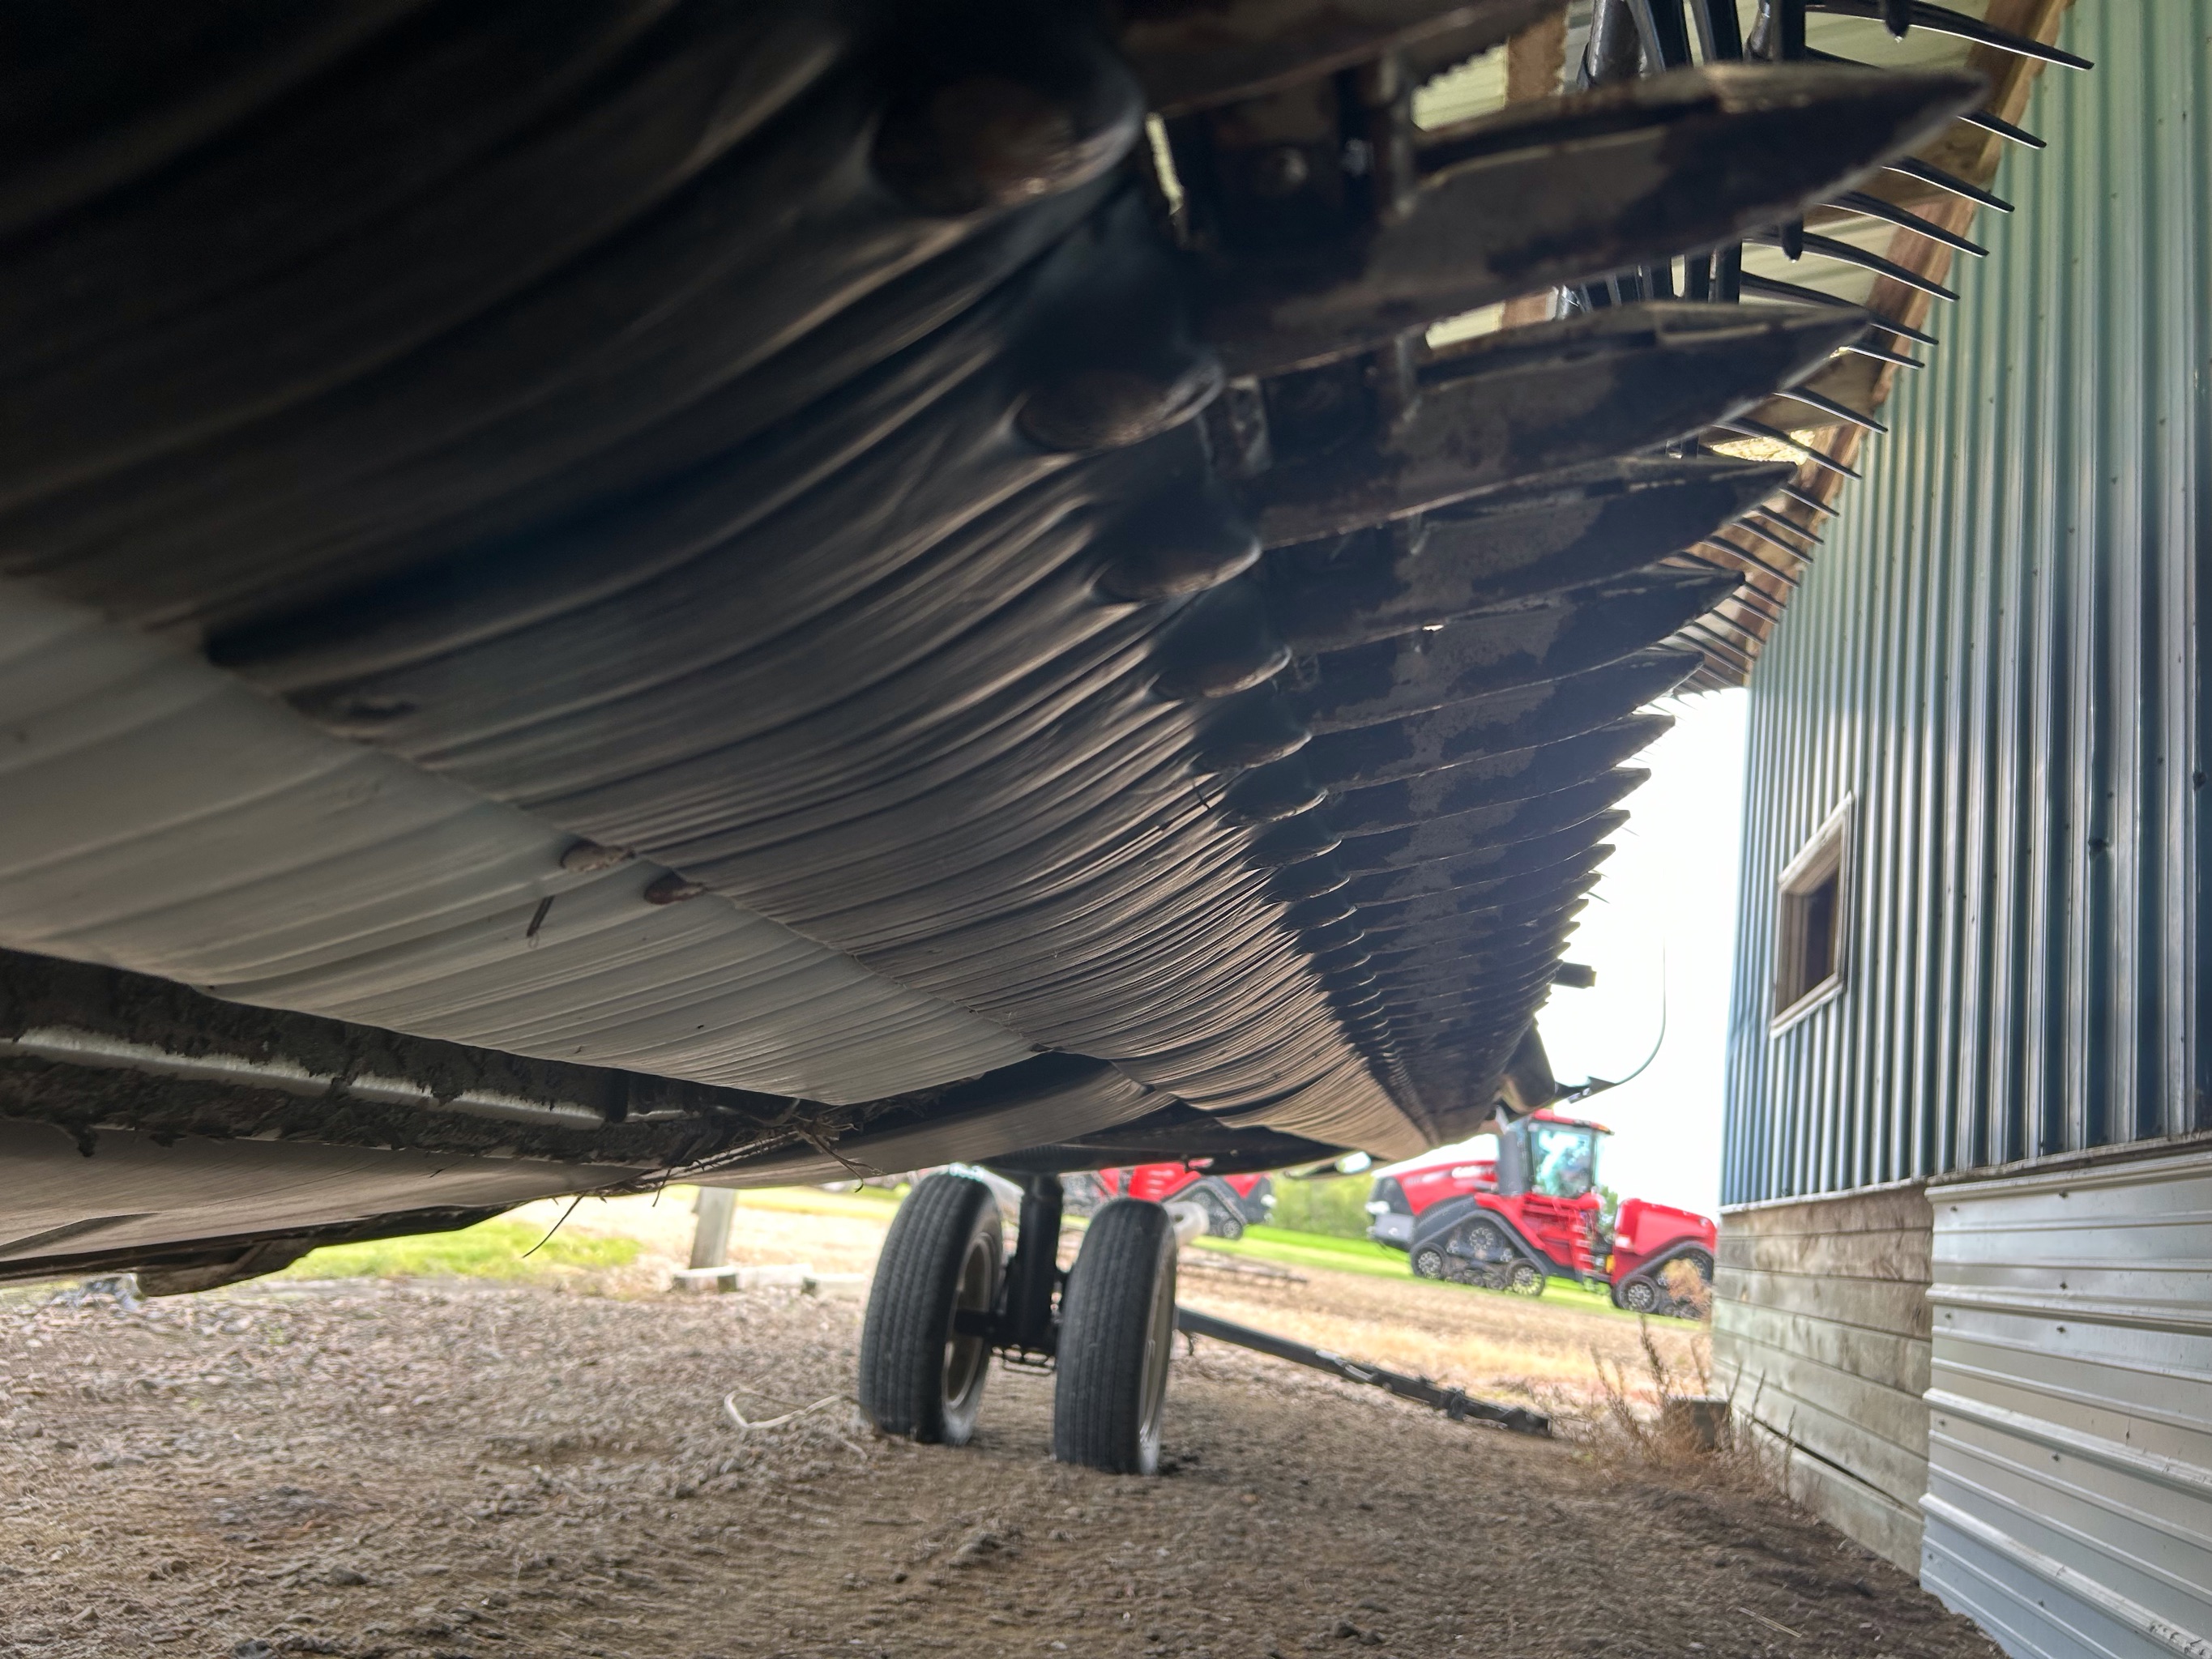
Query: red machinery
[[1231, 1202], [1647, 1241], [1534, 1212]]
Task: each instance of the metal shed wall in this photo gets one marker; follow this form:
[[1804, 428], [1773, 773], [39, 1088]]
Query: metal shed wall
[[2069, 1491], [1996, 659]]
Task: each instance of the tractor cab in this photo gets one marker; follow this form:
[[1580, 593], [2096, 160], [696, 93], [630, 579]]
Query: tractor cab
[[1550, 1157], [1547, 1184]]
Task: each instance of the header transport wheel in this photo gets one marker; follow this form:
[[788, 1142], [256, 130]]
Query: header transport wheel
[[921, 1376], [1116, 1336]]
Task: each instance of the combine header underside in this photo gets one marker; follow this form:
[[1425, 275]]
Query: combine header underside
[[1055, 584]]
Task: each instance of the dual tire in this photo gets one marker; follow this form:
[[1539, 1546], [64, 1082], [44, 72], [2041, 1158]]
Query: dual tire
[[1117, 1337], [921, 1375]]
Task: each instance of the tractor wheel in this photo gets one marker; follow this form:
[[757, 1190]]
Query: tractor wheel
[[1485, 1255], [1429, 1263], [919, 1377], [1640, 1296], [1221, 1220], [1116, 1336], [1525, 1278]]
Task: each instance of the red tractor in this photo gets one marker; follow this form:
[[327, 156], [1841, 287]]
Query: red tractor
[[1231, 1202], [1534, 1212]]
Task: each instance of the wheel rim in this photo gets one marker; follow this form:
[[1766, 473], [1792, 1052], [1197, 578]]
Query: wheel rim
[[1428, 1264], [1640, 1296], [1159, 1349], [1527, 1280], [1482, 1242], [966, 1357]]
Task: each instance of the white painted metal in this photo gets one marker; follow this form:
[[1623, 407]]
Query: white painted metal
[[2070, 1494], [163, 818], [134, 1194]]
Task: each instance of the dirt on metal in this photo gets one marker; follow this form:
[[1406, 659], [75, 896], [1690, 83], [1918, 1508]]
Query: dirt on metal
[[381, 1470]]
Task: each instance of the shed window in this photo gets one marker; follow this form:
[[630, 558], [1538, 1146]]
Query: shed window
[[1809, 922]]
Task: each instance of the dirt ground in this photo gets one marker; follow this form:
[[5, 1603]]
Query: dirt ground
[[378, 1469]]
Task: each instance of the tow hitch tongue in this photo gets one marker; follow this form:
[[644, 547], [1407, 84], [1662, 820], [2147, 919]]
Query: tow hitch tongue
[[1455, 1403], [1024, 1330]]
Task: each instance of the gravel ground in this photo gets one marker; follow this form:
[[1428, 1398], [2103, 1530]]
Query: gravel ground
[[426, 1470]]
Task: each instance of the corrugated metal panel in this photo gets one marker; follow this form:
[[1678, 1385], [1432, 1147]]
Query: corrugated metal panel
[[2070, 1497], [1996, 657], [163, 818]]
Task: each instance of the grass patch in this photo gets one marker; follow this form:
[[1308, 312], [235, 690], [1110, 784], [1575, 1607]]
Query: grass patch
[[490, 1249], [1364, 1255], [1335, 1205]]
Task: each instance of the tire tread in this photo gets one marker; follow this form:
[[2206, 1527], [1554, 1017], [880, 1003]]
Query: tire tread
[[1098, 1398], [901, 1372]]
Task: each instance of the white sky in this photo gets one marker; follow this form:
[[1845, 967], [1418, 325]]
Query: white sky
[[1668, 896]]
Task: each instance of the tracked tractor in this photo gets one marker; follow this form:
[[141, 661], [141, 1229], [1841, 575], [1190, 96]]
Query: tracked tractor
[[1229, 1203], [1534, 1214]]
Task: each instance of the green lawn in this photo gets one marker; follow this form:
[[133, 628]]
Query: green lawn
[[1361, 1256], [490, 1249]]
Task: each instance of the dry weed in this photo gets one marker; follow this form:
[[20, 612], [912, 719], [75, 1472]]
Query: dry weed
[[1664, 1415]]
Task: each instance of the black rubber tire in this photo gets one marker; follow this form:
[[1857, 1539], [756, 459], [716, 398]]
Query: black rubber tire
[[1117, 1337], [1525, 1278], [1428, 1262], [945, 1250], [1641, 1296]]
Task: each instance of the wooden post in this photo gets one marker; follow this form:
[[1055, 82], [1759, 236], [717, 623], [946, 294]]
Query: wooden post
[[710, 1240]]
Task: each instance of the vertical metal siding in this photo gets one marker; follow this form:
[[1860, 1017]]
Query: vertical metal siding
[[2070, 1481], [1997, 657]]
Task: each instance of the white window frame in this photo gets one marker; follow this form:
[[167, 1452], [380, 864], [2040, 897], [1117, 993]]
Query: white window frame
[[1827, 851]]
